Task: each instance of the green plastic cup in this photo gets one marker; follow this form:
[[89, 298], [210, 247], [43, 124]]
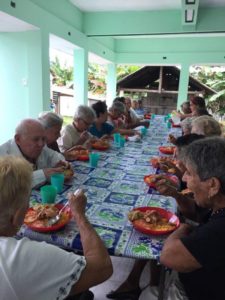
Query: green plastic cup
[[48, 194], [57, 181], [143, 131], [93, 159], [117, 138], [122, 141], [168, 124]]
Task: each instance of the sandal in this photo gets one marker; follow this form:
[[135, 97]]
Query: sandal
[[132, 294]]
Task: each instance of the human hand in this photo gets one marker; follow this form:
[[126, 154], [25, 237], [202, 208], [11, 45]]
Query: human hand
[[172, 139], [50, 171], [84, 136], [166, 186], [63, 164], [77, 202]]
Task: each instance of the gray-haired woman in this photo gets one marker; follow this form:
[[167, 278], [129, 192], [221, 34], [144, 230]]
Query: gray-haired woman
[[53, 125], [197, 254], [76, 133]]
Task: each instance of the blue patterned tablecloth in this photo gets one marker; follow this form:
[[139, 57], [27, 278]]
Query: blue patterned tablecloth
[[113, 189]]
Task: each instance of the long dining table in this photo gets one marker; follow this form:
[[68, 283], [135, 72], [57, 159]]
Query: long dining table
[[114, 188]]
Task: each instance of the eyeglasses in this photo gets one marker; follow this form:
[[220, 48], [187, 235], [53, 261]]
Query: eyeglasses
[[86, 123]]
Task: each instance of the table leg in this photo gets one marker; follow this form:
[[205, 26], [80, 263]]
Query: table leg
[[162, 283]]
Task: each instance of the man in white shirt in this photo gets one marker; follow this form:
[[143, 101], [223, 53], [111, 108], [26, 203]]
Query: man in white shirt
[[30, 142]]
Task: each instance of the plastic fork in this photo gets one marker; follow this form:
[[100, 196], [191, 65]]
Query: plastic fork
[[55, 219]]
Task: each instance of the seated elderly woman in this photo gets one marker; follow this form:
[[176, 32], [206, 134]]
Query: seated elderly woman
[[37, 270], [206, 125], [53, 125], [76, 133], [197, 106], [197, 254]]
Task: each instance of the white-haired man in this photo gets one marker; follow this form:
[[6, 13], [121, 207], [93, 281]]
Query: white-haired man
[[30, 142]]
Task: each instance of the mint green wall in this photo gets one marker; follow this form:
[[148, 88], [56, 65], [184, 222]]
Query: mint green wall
[[94, 32], [19, 76], [151, 22]]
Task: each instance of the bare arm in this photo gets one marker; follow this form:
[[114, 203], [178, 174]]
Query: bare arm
[[174, 254], [99, 266]]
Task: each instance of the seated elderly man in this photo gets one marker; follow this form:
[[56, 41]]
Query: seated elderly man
[[197, 253], [53, 125], [29, 142], [37, 270], [76, 133], [132, 119]]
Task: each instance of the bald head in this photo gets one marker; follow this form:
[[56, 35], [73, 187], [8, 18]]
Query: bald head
[[30, 138], [28, 125]]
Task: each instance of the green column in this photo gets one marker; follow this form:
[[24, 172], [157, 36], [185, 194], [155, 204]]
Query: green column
[[81, 76], [110, 83], [45, 70], [183, 85]]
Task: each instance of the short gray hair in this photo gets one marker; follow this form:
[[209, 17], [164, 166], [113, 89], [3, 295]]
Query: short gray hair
[[207, 125], [15, 187], [119, 107], [50, 119], [206, 156], [85, 112]]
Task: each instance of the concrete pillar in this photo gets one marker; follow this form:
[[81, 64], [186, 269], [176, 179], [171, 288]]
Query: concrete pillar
[[81, 76], [183, 85], [110, 83]]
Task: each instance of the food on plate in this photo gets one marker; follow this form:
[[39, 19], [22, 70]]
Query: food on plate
[[155, 161], [171, 171], [186, 191], [78, 154], [100, 145], [39, 215], [150, 219], [150, 179]]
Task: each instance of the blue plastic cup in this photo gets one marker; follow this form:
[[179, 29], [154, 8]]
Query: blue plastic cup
[[117, 138], [122, 141], [48, 194], [93, 159], [152, 116], [57, 181]]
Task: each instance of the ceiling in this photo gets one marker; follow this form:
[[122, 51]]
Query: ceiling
[[11, 24], [137, 5]]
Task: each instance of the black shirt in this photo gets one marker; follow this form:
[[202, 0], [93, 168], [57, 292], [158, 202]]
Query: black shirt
[[207, 244]]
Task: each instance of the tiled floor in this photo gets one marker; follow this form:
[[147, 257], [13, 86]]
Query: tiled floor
[[121, 267]]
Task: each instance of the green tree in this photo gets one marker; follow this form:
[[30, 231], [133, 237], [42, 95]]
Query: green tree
[[62, 75], [125, 70], [214, 78]]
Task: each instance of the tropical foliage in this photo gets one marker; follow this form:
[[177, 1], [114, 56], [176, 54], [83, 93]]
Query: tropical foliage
[[214, 77], [62, 75]]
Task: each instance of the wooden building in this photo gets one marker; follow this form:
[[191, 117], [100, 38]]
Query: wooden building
[[158, 87]]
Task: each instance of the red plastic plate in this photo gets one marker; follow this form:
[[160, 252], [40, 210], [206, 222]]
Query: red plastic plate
[[167, 149], [54, 227], [142, 227], [100, 147]]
